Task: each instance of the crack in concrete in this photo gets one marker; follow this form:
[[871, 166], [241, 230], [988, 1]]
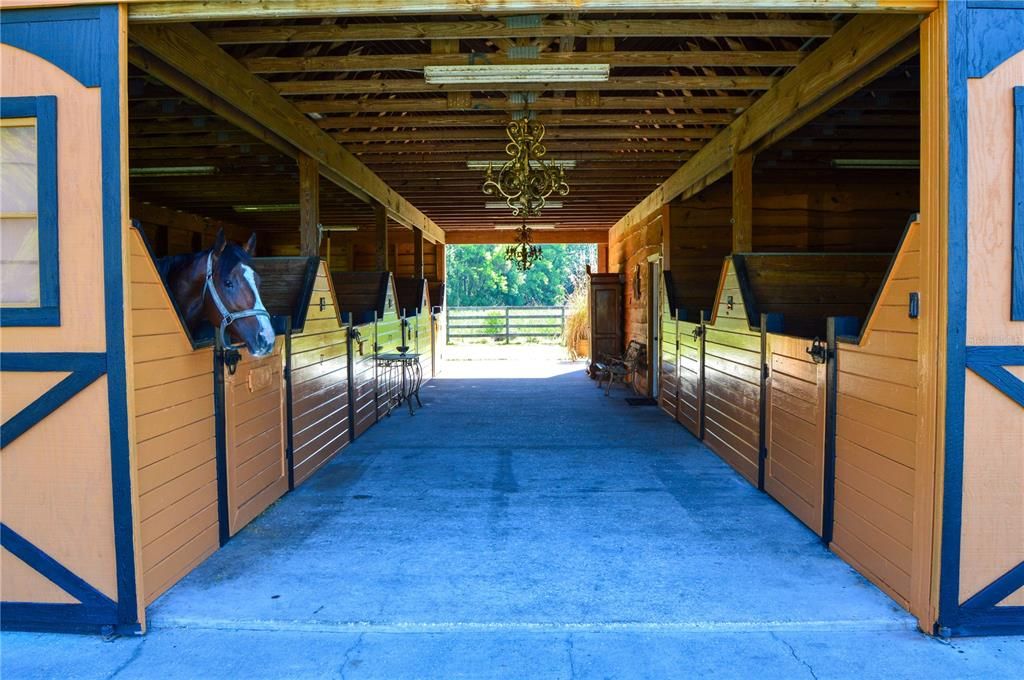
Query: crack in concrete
[[569, 646], [348, 653], [793, 653], [129, 661]]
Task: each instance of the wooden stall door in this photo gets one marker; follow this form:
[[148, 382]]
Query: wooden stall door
[[795, 429], [254, 421], [690, 377], [669, 363], [363, 378]]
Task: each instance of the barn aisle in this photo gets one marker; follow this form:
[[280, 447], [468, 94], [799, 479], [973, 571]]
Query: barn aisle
[[522, 528], [526, 503]]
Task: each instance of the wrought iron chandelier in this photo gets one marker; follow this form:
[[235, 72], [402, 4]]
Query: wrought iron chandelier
[[525, 180], [523, 253]]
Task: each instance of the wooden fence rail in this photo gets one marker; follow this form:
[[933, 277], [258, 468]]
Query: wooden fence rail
[[504, 323]]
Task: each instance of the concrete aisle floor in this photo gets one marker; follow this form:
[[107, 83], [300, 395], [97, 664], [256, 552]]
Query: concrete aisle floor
[[522, 528]]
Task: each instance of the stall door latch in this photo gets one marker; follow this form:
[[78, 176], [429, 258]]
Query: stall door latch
[[697, 332], [819, 351]]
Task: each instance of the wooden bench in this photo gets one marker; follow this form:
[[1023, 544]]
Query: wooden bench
[[613, 368]]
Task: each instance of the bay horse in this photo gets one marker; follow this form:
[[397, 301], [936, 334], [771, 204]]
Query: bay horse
[[219, 286]]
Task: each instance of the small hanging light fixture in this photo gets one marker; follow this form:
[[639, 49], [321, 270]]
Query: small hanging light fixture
[[524, 253]]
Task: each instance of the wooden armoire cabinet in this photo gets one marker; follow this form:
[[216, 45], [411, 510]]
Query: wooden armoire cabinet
[[606, 316]]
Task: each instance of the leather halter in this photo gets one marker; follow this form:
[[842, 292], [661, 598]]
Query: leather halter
[[227, 318]]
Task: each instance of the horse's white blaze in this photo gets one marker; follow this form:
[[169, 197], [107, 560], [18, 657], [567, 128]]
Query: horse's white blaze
[[266, 330]]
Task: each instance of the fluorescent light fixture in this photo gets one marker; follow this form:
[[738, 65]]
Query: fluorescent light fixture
[[338, 228], [536, 225], [502, 205], [516, 73], [482, 165], [269, 207], [876, 163], [174, 171]]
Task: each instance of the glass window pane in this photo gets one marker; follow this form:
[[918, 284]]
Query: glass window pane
[[18, 173], [19, 262]]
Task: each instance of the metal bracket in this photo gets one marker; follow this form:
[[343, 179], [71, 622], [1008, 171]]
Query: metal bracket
[[819, 351]]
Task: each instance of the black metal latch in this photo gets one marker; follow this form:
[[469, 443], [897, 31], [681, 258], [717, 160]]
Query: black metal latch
[[818, 350], [698, 331]]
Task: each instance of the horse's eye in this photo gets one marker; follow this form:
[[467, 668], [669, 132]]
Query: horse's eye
[[229, 283]]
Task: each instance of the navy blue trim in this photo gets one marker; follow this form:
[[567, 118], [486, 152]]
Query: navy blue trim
[[956, 298], [976, 616], [988, 362], [71, 47], [997, 591], [220, 439], [54, 571], [1017, 245], [44, 110], [56, 618], [108, 48], [84, 368], [1002, 26]]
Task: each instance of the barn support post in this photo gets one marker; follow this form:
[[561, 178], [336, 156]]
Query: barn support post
[[743, 202], [439, 264], [309, 206], [380, 217], [417, 253]]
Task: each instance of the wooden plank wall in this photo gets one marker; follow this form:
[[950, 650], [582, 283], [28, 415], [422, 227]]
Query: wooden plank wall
[[732, 380], [839, 213], [626, 251], [701, 236], [354, 252], [319, 375], [876, 434], [174, 434]]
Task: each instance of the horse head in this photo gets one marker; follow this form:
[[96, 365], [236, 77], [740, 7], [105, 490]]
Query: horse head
[[231, 297]]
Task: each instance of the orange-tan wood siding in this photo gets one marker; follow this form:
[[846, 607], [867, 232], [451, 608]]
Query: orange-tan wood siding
[[876, 434], [254, 426], [319, 375], [732, 379], [174, 433]]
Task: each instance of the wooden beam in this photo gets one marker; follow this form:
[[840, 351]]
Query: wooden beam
[[292, 88], [235, 10], [743, 202], [502, 236], [499, 120], [553, 133], [417, 254], [484, 29], [380, 217], [857, 45], [440, 265], [187, 50], [309, 206], [406, 62], [322, 106]]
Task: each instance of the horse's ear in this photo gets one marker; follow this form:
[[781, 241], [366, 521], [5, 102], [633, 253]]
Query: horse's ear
[[250, 245], [219, 242]]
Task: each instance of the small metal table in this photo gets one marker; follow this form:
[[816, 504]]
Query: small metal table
[[400, 376]]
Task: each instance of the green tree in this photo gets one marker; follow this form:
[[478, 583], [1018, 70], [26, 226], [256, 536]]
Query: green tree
[[480, 276]]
